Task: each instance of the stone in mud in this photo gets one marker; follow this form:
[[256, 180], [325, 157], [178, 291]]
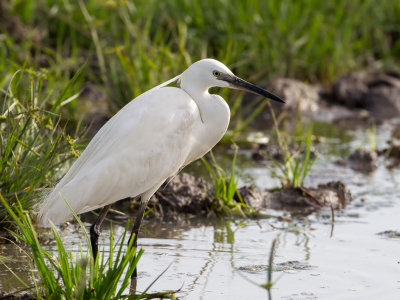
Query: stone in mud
[[183, 194], [378, 93], [363, 161], [333, 194], [253, 197]]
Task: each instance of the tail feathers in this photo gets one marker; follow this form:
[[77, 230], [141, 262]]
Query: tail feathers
[[53, 208]]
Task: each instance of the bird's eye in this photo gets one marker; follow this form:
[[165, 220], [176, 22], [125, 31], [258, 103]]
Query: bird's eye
[[216, 73]]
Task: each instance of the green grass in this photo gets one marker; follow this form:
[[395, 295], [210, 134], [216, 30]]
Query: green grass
[[297, 159], [225, 188], [79, 276], [296, 165], [35, 147], [130, 46]]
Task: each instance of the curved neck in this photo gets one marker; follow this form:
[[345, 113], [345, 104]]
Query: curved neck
[[214, 116], [213, 108]]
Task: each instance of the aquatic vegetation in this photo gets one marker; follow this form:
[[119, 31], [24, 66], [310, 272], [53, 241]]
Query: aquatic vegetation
[[35, 146], [225, 187], [295, 165], [78, 276]]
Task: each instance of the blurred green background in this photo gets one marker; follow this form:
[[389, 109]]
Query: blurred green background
[[130, 46]]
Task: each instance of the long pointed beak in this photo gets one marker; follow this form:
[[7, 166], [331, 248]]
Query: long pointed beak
[[240, 84]]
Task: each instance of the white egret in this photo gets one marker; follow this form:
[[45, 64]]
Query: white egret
[[149, 140]]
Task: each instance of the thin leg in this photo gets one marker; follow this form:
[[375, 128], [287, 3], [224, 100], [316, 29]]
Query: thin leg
[[95, 230], [134, 235]]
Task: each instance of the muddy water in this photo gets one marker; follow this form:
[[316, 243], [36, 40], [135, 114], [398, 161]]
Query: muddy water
[[226, 259]]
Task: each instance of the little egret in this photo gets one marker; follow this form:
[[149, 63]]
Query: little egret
[[148, 141]]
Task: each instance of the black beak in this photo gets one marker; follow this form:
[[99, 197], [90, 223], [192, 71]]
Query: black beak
[[240, 84]]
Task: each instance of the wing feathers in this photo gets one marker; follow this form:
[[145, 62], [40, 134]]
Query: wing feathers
[[140, 147]]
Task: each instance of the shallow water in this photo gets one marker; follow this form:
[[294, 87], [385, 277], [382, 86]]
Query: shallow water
[[206, 259]]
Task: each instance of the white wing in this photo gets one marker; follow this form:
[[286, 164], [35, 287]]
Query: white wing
[[147, 141]]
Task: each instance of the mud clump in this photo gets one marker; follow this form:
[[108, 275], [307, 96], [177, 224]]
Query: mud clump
[[333, 194], [253, 197], [363, 161], [183, 194]]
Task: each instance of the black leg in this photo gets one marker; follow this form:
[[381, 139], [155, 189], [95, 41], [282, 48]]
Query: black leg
[[95, 230], [134, 235]]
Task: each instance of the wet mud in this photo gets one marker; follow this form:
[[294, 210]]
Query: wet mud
[[18, 296], [332, 194], [187, 194]]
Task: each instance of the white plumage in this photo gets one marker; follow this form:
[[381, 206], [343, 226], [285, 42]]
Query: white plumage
[[147, 141]]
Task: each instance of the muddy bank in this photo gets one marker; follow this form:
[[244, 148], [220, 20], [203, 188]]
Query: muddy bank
[[189, 195]]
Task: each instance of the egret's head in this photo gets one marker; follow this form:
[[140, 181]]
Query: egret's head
[[207, 73]]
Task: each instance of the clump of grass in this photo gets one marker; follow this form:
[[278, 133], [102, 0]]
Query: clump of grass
[[225, 187], [64, 276], [34, 147], [294, 166]]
